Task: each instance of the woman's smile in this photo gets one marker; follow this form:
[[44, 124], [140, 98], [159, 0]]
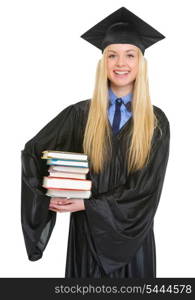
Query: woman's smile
[[121, 74]]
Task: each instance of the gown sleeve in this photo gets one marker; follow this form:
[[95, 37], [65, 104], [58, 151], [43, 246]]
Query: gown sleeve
[[120, 219], [36, 219]]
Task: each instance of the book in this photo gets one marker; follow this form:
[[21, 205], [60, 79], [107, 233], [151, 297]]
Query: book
[[66, 183], [68, 193], [68, 169], [64, 155], [64, 162], [66, 174]]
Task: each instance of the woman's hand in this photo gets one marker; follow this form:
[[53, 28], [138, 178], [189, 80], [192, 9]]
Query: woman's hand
[[66, 205]]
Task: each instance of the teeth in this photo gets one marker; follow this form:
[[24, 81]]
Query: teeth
[[120, 73]]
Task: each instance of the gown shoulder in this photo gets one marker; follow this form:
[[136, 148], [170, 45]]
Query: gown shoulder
[[82, 106], [160, 114]]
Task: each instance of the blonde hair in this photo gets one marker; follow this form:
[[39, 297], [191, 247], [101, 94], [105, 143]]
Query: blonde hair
[[97, 138]]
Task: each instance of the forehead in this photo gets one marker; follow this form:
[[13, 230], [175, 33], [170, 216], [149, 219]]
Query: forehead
[[122, 48]]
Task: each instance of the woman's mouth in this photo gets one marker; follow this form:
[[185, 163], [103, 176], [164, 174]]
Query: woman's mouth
[[121, 74]]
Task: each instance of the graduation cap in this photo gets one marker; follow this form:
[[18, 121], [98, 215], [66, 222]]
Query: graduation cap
[[122, 27]]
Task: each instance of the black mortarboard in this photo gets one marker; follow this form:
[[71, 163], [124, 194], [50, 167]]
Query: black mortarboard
[[122, 27]]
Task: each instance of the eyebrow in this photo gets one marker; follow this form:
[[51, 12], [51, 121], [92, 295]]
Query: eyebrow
[[125, 50]]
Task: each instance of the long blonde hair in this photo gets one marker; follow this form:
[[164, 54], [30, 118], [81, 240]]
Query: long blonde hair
[[97, 138]]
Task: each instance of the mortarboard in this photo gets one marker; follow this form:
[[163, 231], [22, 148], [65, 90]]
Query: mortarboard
[[122, 27]]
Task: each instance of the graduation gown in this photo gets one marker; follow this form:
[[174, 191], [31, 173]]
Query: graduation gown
[[113, 236]]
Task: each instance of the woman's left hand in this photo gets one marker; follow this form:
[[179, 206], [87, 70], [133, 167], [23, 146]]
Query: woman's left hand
[[66, 205]]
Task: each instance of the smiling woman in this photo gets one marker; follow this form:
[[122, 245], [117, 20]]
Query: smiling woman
[[126, 139], [122, 67]]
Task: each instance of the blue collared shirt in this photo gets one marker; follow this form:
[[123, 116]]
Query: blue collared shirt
[[125, 114]]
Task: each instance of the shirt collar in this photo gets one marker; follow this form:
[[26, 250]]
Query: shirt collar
[[113, 97]]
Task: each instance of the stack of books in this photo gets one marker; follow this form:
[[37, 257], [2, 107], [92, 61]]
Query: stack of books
[[67, 174]]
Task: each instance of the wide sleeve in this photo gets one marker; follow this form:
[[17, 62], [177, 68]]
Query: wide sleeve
[[36, 219], [120, 219]]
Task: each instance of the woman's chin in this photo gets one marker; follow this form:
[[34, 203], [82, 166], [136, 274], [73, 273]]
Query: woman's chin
[[121, 83]]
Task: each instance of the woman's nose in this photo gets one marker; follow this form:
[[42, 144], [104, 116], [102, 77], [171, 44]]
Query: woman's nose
[[121, 61]]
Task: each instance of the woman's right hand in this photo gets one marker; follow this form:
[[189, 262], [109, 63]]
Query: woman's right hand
[[56, 203], [66, 205]]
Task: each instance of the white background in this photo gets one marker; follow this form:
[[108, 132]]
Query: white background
[[44, 67]]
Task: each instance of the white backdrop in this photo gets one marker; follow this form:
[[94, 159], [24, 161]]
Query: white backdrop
[[44, 67]]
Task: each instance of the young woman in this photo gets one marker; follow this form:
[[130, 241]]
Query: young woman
[[127, 140]]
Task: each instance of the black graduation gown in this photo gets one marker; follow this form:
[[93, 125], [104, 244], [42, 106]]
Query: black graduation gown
[[113, 236]]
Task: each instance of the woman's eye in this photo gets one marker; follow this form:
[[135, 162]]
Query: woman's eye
[[112, 55]]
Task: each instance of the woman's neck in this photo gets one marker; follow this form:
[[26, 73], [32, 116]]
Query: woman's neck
[[122, 90]]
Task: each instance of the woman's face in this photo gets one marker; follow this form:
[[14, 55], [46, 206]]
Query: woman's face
[[122, 64]]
